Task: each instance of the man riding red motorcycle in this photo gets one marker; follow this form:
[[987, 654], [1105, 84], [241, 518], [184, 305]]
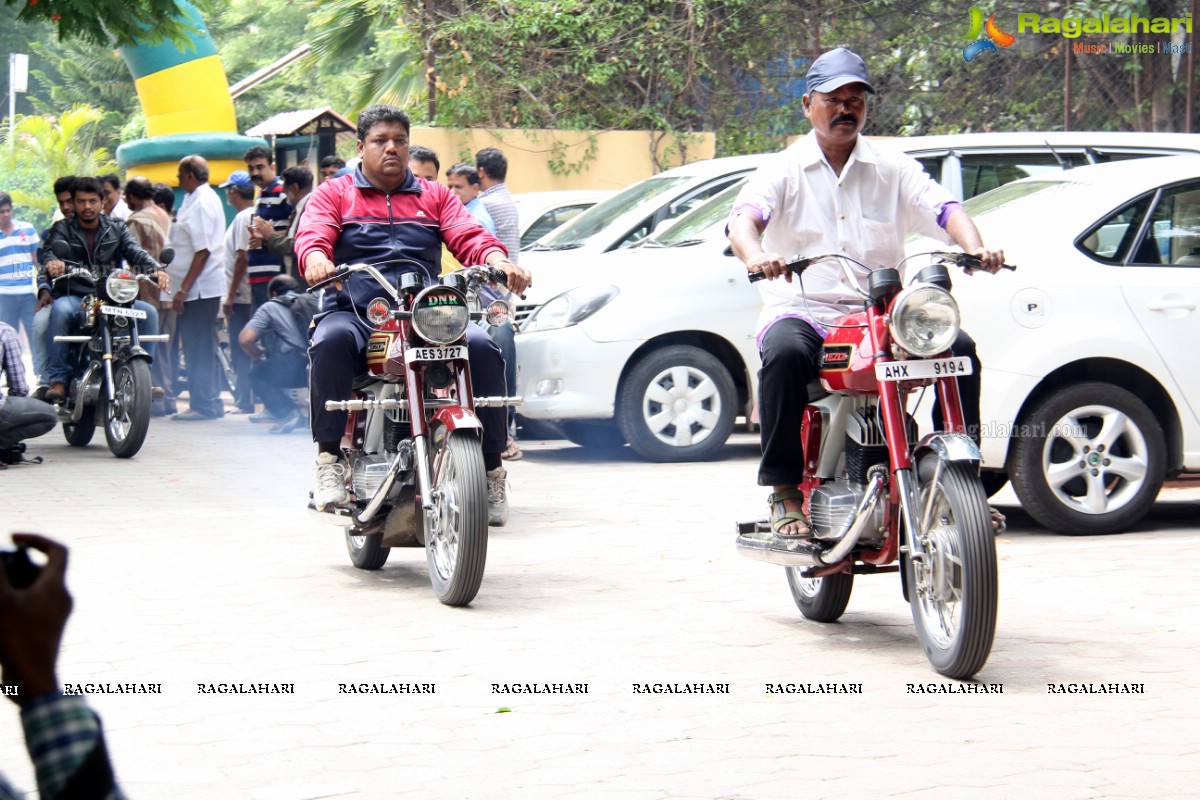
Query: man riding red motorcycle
[[832, 191], [379, 214]]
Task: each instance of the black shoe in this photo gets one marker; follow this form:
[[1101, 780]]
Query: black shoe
[[40, 393]]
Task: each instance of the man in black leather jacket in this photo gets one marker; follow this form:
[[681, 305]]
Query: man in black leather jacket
[[98, 242]]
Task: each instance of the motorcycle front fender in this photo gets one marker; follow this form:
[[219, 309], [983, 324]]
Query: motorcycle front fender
[[455, 418], [948, 447]]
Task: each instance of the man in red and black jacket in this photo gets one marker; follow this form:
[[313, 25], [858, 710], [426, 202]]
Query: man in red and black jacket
[[382, 213]]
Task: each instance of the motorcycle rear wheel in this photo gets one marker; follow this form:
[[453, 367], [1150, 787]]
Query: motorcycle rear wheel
[[127, 417], [953, 589], [456, 529], [79, 434], [820, 599], [367, 552]]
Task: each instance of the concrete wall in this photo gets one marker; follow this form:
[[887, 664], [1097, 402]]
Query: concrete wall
[[620, 158]]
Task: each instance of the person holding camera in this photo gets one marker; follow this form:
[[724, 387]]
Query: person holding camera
[[62, 733]]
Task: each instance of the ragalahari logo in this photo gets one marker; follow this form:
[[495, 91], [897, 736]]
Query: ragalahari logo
[[992, 36]]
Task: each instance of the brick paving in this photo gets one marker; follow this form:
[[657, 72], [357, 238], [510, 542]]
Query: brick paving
[[195, 563]]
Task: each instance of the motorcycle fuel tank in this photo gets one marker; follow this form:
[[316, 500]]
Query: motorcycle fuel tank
[[846, 364]]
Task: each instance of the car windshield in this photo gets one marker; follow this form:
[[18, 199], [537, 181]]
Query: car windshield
[[695, 224], [1009, 193], [600, 216]]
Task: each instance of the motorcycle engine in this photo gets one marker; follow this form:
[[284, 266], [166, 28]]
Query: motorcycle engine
[[368, 474], [833, 503]]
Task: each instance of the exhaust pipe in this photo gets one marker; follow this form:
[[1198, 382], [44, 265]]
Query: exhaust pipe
[[765, 546]]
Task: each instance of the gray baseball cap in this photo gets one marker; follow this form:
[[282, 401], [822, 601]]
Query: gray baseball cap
[[837, 68]]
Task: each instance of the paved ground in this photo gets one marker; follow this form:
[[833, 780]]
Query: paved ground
[[195, 564]]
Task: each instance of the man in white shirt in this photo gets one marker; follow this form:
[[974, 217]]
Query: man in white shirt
[[831, 192], [238, 305], [199, 282]]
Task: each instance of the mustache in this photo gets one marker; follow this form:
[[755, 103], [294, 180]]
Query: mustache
[[845, 118]]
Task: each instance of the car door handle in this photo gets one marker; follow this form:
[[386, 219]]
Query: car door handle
[[1171, 305]]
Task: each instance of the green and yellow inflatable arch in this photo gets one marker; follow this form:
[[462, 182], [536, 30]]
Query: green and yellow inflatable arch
[[185, 96]]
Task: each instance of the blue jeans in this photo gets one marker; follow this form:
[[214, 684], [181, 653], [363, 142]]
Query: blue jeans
[[505, 338], [66, 315], [17, 310], [41, 346]]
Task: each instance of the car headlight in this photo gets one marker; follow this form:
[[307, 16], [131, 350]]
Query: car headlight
[[570, 308], [121, 286], [440, 315], [924, 320]]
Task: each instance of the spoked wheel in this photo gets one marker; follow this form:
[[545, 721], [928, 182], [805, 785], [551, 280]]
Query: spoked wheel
[[127, 417], [820, 599], [952, 587], [78, 434], [367, 552], [456, 529]]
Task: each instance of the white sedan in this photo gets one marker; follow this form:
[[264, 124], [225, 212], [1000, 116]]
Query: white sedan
[[655, 347], [539, 213], [1091, 385]]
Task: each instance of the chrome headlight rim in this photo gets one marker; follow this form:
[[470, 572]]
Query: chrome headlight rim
[[121, 286], [570, 308], [440, 315], [923, 298]]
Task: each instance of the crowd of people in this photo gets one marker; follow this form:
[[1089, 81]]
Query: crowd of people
[[241, 276]]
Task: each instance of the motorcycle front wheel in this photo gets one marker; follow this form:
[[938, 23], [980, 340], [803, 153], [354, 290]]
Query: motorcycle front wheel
[[456, 528], [127, 416], [953, 586], [820, 599]]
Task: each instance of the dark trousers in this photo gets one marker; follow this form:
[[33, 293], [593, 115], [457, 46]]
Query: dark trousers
[[337, 356], [24, 418], [790, 351], [505, 338], [273, 376], [243, 396], [197, 327]]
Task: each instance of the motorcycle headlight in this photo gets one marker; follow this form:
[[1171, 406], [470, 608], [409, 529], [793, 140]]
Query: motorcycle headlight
[[570, 308], [440, 315], [924, 320], [121, 286]]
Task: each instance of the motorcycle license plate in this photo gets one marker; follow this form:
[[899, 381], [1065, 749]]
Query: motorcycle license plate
[[435, 353], [117, 311], [919, 370]]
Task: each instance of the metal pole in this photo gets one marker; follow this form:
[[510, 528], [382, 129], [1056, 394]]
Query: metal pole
[[12, 106]]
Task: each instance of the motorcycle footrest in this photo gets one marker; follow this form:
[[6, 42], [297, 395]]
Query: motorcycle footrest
[[758, 526]]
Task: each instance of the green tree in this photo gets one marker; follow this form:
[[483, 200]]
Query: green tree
[[47, 148], [110, 21]]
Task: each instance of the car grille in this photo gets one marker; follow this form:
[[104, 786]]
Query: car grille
[[524, 310]]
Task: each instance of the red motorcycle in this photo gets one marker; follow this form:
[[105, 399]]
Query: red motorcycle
[[878, 499], [413, 443]]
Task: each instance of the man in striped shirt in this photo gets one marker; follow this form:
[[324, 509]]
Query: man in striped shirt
[[18, 260], [261, 263]]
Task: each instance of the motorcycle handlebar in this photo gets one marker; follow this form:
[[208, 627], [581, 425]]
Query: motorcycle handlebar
[[797, 265]]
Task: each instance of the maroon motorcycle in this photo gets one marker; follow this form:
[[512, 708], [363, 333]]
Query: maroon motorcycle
[[416, 474], [877, 497]]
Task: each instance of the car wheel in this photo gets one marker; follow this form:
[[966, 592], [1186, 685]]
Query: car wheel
[[677, 404], [1091, 459]]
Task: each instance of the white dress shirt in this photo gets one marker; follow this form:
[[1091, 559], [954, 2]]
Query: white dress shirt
[[199, 225], [866, 213]]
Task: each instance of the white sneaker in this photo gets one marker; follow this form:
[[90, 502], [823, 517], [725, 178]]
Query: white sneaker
[[497, 486], [331, 482]]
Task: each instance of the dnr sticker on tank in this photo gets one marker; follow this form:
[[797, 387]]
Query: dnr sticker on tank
[[919, 370], [435, 353]]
